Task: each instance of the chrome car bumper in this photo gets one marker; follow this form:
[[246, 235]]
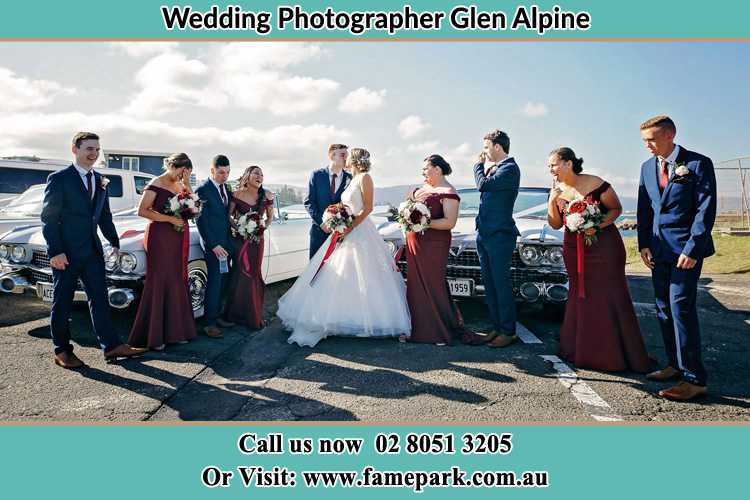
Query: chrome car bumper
[[15, 283]]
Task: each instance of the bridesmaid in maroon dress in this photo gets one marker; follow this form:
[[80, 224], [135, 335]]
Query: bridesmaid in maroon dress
[[600, 330], [165, 313], [435, 318], [245, 303]]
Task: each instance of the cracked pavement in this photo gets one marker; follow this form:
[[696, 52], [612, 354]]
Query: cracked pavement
[[257, 376]]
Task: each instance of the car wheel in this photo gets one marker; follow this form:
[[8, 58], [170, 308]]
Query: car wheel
[[197, 280]]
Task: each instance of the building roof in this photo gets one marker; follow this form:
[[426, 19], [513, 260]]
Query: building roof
[[131, 152]]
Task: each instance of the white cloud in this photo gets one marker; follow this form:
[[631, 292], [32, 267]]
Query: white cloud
[[535, 109], [362, 100], [412, 126], [250, 76], [17, 93], [423, 148], [145, 49], [27, 133]]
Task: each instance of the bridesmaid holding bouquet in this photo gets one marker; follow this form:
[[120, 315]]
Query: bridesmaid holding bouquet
[[251, 210]]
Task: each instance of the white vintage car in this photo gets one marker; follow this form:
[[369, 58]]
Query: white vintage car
[[538, 271], [24, 263]]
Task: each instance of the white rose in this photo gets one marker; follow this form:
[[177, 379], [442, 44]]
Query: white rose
[[574, 222], [403, 206], [174, 204], [682, 170]]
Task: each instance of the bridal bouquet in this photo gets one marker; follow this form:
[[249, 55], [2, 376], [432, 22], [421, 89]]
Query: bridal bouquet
[[583, 216], [413, 216], [338, 218], [184, 205], [250, 227]]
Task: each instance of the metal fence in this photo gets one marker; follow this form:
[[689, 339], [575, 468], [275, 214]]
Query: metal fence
[[733, 182]]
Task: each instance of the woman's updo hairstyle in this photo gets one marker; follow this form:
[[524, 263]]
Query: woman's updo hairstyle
[[439, 162], [178, 160], [360, 158], [567, 154]]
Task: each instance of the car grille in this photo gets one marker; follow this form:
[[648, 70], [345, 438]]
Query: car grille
[[467, 266], [40, 259]]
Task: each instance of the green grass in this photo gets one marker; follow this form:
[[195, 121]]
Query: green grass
[[732, 255]]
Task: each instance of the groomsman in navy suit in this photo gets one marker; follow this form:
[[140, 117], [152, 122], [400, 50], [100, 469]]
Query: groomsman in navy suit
[[76, 205], [498, 178], [216, 239], [676, 211], [325, 188]]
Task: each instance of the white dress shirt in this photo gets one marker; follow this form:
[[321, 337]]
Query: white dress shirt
[[671, 159], [339, 178], [218, 188], [82, 172]]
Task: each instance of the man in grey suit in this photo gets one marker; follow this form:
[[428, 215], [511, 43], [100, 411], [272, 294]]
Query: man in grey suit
[[498, 178]]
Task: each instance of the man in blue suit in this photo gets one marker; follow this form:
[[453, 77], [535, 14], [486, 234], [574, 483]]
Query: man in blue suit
[[216, 239], [676, 211], [498, 178], [76, 204], [325, 188]]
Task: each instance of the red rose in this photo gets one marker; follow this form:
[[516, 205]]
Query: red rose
[[577, 207], [415, 217]]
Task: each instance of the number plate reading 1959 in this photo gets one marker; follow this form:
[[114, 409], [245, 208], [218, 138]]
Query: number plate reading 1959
[[45, 292], [461, 288]]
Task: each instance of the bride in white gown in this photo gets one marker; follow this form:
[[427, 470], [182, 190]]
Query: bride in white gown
[[358, 292]]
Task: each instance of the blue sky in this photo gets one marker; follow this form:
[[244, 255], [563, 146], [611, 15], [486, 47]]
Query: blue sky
[[280, 104]]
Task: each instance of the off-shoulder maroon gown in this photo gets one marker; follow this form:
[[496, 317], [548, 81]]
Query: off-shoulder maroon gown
[[435, 318], [601, 331], [165, 313], [245, 303]]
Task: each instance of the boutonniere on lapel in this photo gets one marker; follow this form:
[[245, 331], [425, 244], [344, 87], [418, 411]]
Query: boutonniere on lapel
[[104, 182], [681, 174]]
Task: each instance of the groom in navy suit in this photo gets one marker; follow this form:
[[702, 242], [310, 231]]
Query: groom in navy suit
[[498, 178], [325, 188], [76, 204], [676, 211]]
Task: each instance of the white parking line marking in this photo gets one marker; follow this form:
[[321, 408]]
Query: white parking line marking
[[594, 404], [526, 336]]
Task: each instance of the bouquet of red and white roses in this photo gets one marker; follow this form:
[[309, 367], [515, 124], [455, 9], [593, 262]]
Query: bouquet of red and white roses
[[184, 205], [250, 227], [413, 216], [338, 218], [584, 216]]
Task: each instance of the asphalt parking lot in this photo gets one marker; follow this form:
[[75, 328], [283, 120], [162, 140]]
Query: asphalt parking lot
[[258, 376]]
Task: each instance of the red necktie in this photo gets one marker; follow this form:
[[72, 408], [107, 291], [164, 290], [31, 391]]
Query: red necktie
[[89, 187], [333, 184], [663, 175], [223, 195]]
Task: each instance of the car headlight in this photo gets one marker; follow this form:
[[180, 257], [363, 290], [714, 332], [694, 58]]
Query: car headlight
[[4, 252], [555, 256], [18, 254], [110, 260], [128, 262], [530, 255], [392, 247]]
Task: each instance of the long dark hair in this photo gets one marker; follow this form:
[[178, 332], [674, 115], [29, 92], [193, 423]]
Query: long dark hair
[[261, 190]]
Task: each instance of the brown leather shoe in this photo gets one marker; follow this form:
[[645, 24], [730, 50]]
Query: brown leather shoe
[[503, 340], [684, 391], [213, 332], [473, 338], [667, 373], [68, 360], [224, 323], [124, 351]]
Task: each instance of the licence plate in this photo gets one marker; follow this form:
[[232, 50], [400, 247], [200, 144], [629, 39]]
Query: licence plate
[[45, 292], [461, 288]]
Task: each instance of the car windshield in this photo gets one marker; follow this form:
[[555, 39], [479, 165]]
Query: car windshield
[[531, 203], [27, 203]]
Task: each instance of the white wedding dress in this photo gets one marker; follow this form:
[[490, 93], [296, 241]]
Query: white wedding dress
[[358, 292]]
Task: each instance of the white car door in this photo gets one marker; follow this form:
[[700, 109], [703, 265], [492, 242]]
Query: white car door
[[287, 244]]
